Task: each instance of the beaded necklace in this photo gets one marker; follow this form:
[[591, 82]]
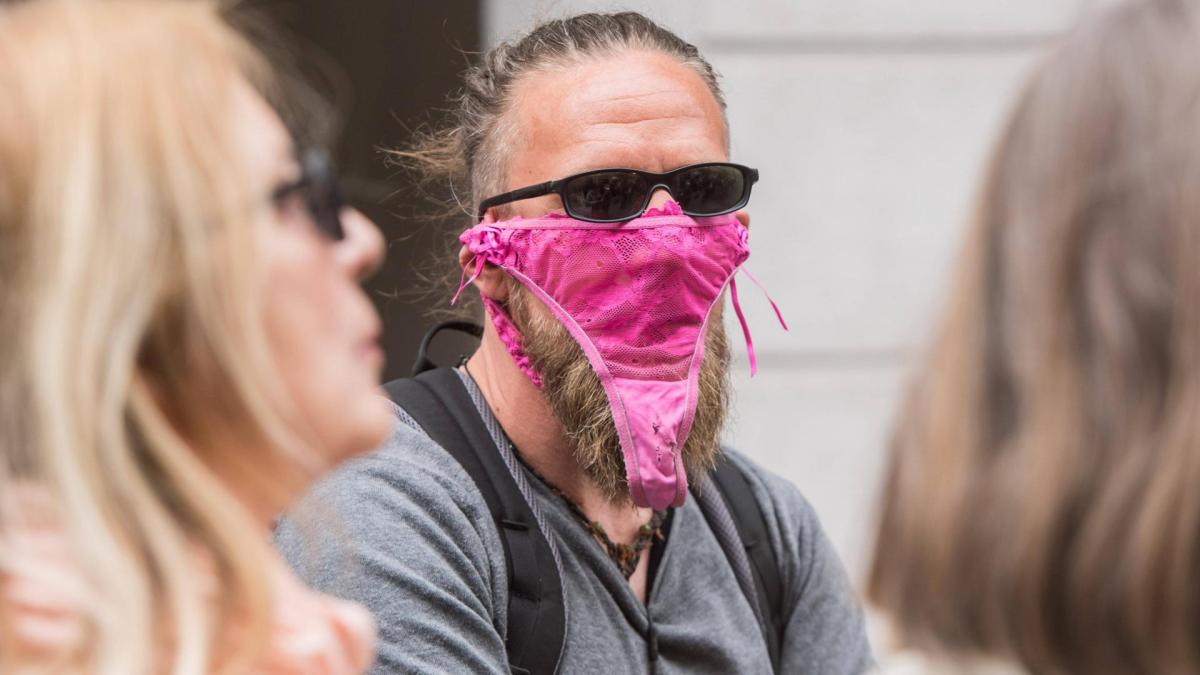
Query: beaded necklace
[[625, 556]]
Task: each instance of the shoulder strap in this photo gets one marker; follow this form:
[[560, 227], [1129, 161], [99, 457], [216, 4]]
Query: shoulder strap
[[750, 544], [439, 402]]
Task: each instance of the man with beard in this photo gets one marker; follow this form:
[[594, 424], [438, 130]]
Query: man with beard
[[610, 225]]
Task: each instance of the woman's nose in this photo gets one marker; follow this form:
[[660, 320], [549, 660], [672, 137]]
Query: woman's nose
[[360, 252]]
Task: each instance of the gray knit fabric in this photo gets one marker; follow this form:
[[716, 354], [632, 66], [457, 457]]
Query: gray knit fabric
[[404, 531], [720, 521]]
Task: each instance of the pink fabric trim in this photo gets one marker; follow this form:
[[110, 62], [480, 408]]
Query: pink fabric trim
[[693, 381], [693, 389], [737, 307], [778, 314], [511, 337], [561, 222]]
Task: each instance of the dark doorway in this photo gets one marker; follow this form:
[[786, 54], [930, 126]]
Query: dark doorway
[[396, 62]]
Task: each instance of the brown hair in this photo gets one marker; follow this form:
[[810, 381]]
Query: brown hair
[[462, 161], [1041, 499], [467, 151]]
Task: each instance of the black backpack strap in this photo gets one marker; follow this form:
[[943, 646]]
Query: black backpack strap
[[748, 548], [437, 400], [423, 363]]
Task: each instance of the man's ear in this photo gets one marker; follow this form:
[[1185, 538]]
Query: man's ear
[[490, 281], [743, 217]]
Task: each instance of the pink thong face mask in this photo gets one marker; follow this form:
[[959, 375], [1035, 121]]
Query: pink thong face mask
[[637, 297]]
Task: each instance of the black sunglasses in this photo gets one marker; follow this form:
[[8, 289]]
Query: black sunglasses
[[615, 195], [318, 186]]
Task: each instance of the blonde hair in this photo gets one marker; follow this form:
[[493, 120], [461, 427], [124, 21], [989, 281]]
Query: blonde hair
[[130, 323], [1041, 500]]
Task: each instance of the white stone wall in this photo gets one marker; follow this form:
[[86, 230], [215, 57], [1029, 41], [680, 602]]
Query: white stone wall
[[869, 120]]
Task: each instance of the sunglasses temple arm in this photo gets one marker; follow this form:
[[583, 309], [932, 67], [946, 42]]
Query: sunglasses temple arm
[[516, 195]]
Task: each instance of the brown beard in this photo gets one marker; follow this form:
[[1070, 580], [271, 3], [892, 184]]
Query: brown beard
[[578, 401]]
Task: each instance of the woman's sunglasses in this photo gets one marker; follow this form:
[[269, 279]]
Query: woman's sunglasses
[[615, 195], [318, 187]]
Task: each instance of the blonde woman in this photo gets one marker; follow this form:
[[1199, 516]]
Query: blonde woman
[[1042, 509], [183, 347]]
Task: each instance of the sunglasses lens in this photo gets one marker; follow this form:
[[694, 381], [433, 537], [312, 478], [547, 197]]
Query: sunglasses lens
[[709, 190], [607, 195], [324, 198]]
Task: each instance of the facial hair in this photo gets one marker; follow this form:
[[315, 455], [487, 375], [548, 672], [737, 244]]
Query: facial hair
[[579, 403]]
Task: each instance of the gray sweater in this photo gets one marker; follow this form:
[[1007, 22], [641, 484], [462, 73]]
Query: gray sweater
[[405, 532]]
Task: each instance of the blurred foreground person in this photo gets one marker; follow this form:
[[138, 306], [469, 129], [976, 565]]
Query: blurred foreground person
[[1041, 511], [183, 347]]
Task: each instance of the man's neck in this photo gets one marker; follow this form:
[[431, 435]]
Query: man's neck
[[531, 425]]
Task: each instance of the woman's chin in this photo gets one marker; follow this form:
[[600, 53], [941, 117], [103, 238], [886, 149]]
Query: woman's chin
[[374, 422]]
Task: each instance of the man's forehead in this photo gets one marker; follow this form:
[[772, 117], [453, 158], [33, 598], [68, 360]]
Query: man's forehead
[[637, 109], [628, 88]]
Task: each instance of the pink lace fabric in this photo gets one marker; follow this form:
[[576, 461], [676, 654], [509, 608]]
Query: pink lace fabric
[[511, 337], [637, 297], [42, 586], [613, 282]]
